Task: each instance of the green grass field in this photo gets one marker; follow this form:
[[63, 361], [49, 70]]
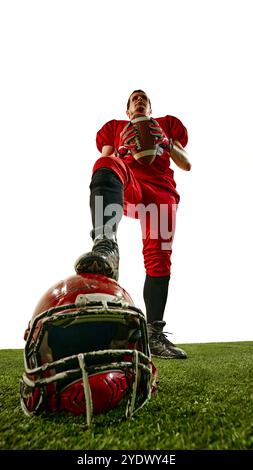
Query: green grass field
[[204, 402]]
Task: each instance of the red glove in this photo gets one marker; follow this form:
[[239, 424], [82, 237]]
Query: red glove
[[127, 139], [160, 138]]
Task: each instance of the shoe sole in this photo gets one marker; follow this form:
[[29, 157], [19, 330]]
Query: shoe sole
[[95, 265]]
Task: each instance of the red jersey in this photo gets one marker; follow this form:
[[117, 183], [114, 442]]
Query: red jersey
[[159, 172]]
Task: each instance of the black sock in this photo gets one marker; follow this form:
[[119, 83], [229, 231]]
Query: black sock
[[155, 294], [107, 184]]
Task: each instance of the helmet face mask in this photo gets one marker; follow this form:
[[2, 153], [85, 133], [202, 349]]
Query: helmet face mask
[[86, 356]]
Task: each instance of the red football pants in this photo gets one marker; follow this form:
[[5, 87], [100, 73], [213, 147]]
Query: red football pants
[[155, 206]]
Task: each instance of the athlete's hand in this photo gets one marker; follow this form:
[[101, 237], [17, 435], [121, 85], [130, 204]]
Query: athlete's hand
[[127, 139], [160, 138]]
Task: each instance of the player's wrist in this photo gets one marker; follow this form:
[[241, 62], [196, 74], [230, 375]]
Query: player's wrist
[[170, 145], [122, 151], [167, 145]]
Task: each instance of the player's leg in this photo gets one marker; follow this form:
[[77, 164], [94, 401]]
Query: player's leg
[[158, 228], [110, 180], [155, 293]]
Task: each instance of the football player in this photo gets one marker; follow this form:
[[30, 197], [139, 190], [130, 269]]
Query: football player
[[126, 185]]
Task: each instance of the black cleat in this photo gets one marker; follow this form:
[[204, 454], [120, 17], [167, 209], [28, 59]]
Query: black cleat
[[103, 259], [160, 346]]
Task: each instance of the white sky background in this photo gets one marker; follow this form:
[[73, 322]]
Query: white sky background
[[67, 67]]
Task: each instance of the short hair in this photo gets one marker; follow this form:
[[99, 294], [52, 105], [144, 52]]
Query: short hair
[[136, 91]]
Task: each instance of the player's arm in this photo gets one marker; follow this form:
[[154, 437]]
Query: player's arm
[[175, 148], [179, 156], [107, 150]]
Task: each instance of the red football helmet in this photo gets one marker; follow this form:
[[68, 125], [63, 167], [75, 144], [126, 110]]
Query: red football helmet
[[86, 350]]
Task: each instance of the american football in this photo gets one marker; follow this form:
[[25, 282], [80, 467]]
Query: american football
[[145, 149]]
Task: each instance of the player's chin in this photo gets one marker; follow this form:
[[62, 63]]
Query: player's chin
[[140, 110], [141, 106]]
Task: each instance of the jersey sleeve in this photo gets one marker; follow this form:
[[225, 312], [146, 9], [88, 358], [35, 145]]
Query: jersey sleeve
[[106, 135], [177, 130]]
